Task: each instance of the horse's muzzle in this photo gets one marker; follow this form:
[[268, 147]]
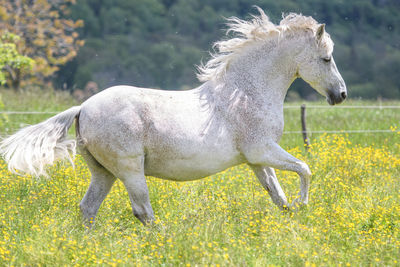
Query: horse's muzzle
[[336, 98]]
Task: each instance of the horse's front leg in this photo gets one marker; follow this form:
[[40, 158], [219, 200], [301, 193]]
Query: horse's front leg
[[276, 157], [268, 180]]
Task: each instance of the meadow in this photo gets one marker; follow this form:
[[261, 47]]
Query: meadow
[[226, 219]]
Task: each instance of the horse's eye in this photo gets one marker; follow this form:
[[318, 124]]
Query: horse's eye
[[327, 59]]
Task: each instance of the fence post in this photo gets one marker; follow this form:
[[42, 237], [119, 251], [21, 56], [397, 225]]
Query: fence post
[[304, 128]]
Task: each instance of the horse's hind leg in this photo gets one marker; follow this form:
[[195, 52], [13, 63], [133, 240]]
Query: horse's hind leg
[[139, 195], [100, 184], [131, 173]]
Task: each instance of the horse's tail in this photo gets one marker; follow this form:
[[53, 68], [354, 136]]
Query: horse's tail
[[32, 148]]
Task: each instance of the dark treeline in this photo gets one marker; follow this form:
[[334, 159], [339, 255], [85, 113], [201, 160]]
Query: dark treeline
[[157, 43]]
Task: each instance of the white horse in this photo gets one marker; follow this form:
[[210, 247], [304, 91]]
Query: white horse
[[234, 117]]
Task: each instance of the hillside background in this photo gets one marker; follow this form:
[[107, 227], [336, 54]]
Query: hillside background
[[157, 43]]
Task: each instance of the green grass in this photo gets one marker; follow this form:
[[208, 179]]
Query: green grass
[[337, 118], [31, 100], [226, 219]]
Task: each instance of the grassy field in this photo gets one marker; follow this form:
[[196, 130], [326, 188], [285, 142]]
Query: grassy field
[[227, 219]]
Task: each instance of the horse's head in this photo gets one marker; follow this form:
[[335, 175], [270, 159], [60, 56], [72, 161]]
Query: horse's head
[[317, 67]]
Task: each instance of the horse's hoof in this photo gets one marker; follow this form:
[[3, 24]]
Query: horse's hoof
[[87, 223]]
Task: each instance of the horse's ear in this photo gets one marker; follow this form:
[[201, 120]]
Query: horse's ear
[[320, 31]]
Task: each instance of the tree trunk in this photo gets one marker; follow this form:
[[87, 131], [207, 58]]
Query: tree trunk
[[16, 80]]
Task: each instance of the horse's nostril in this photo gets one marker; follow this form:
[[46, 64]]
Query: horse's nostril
[[343, 95]]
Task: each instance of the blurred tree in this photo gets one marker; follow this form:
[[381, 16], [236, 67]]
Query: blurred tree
[[157, 43], [10, 60], [46, 35]]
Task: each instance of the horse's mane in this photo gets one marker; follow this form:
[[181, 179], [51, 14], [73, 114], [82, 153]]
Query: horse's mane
[[248, 32]]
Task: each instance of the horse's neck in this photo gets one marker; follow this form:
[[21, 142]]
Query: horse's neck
[[258, 77]]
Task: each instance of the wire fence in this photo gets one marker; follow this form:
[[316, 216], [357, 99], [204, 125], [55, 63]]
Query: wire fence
[[285, 107], [340, 131], [344, 107], [29, 112]]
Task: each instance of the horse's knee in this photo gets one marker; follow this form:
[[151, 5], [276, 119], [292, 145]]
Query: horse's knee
[[304, 170]]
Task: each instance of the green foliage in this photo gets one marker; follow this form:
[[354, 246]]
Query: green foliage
[[45, 35], [10, 58]]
